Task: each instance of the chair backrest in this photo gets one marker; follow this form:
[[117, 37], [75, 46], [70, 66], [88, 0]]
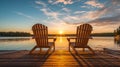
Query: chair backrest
[[83, 35], [40, 34]]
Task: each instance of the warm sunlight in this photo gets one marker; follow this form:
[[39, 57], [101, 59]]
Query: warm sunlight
[[60, 32]]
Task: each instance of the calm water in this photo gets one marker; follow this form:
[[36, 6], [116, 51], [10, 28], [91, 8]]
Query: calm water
[[27, 43]]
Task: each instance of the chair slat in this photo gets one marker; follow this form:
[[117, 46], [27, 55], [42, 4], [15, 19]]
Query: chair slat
[[82, 37], [41, 37], [40, 33], [83, 34]]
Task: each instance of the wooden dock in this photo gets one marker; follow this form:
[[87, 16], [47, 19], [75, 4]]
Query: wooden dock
[[59, 58]]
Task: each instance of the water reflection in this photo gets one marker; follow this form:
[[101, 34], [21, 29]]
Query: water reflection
[[16, 43], [3, 39], [61, 43], [7, 40], [61, 39]]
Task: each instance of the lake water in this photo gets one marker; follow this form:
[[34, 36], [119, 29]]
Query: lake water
[[27, 43]]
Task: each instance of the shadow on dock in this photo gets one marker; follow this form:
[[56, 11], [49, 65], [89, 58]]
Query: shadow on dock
[[61, 58]]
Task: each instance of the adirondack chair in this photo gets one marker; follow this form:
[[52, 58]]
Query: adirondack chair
[[41, 37], [81, 39]]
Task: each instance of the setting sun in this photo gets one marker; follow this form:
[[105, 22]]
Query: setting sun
[[60, 32]]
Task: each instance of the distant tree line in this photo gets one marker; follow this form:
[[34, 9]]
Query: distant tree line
[[13, 34], [2, 34], [102, 34], [117, 31]]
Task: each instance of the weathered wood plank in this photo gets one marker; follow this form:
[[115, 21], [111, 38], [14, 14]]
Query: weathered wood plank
[[116, 52], [58, 58]]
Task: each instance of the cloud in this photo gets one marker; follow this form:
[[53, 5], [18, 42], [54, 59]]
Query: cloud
[[113, 20], [105, 24], [109, 14], [79, 12], [60, 17], [50, 1], [116, 2], [82, 16], [113, 8], [50, 13], [110, 10], [94, 3], [47, 11], [61, 1], [40, 3], [71, 17], [27, 16], [66, 9], [65, 2], [106, 20], [91, 15], [105, 14], [85, 6], [77, 23]]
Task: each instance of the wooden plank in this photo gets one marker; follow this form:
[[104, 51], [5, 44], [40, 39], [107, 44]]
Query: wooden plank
[[58, 58], [115, 52]]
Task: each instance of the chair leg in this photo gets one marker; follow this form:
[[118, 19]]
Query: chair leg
[[69, 47], [91, 49], [32, 49], [53, 47], [40, 49], [74, 50], [83, 49], [48, 50]]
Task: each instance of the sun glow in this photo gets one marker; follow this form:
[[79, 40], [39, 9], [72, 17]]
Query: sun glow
[[60, 32]]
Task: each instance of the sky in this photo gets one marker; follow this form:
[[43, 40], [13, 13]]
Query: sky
[[61, 16]]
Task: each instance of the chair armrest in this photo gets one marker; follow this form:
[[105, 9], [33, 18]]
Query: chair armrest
[[54, 39], [69, 38]]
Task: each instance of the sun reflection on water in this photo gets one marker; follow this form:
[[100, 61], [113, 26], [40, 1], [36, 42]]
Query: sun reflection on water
[[60, 44]]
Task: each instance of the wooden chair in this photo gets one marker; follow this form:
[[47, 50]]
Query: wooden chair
[[41, 37], [81, 39]]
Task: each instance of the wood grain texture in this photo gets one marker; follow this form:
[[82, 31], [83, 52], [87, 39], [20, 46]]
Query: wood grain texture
[[82, 36], [40, 32], [58, 58]]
